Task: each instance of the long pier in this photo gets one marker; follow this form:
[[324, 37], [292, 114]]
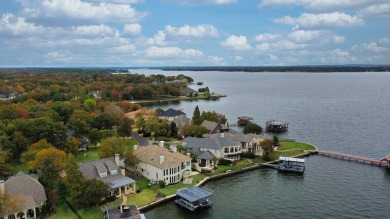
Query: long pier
[[354, 158]]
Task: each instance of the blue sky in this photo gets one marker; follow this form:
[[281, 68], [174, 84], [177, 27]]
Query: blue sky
[[136, 33]]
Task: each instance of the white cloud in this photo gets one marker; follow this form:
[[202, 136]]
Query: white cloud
[[172, 52], [267, 37], [216, 60], [325, 20], [80, 10], [158, 39], [288, 45], [320, 5], [381, 46], [122, 49], [196, 2], [304, 36], [17, 26], [94, 30], [132, 29], [236, 43], [238, 58], [58, 57], [273, 58], [340, 56], [338, 39], [119, 1], [203, 30], [263, 47], [380, 10]]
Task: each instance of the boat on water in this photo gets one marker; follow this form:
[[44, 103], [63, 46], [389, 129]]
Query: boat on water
[[244, 120], [291, 164]]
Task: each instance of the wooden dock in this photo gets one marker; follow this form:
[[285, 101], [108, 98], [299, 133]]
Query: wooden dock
[[353, 158]]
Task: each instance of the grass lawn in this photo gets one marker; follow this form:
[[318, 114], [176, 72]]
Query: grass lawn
[[85, 156], [171, 189], [239, 165], [288, 145], [18, 166], [143, 198], [63, 212]]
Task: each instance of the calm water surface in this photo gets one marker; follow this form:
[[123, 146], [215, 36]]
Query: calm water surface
[[344, 112]]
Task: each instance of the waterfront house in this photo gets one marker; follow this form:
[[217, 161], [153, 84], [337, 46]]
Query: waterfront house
[[157, 163], [214, 127], [31, 192], [170, 114], [182, 121], [7, 96], [249, 142], [187, 91], [219, 147], [109, 171]]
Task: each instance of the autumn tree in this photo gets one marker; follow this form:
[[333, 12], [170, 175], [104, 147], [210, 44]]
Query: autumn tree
[[90, 104], [111, 146], [12, 204], [30, 154], [140, 121], [130, 158], [18, 143], [157, 127], [72, 145], [51, 162], [194, 130]]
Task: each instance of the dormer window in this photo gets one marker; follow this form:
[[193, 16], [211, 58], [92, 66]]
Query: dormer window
[[102, 170]]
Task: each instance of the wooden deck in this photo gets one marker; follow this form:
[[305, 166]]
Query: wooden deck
[[352, 158]]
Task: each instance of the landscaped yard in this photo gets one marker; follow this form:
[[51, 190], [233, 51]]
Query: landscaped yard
[[288, 145], [239, 165], [19, 166]]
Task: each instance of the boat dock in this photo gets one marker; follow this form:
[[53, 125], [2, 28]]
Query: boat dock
[[194, 198], [383, 162]]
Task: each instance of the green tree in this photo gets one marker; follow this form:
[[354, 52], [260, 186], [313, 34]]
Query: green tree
[[5, 167], [94, 136], [90, 104], [80, 122], [194, 130], [157, 127], [196, 119], [18, 144], [74, 180], [94, 192], [111, 146], [174, 130], [276, 140], [180, 148], [253, 128], [124, 128]]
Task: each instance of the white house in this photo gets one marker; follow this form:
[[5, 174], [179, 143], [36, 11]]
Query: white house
[[157, 163]]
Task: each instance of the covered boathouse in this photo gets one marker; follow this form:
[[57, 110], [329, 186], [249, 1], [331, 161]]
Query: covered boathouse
[[276, 126], [194, 198]]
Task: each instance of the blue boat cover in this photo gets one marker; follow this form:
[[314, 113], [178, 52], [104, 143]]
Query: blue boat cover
[[194, 194]]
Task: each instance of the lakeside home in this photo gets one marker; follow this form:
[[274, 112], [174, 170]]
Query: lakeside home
[[157, 163], [170, 114], [110, 172]]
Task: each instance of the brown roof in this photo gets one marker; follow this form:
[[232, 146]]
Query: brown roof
[[147, 113], [25, 185], [151, 155]]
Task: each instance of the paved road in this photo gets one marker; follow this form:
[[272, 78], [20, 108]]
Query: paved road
[[141, 141]]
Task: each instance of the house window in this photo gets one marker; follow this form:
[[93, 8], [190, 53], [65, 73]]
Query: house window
[[231, 149], [226, 150]]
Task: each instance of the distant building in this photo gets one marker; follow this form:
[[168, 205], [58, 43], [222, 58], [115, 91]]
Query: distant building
[[182, 121], [214, 127], [30, 190], [157, 163], [110, 172], [170, 114], [7, 96], [187, 91]]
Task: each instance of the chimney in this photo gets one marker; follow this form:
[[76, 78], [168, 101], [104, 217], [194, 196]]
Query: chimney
[[188, 154], [135, 147], [123, 172], [117, 159], [222, 135], [2, 187], [174, 149], [161, 144], [162, 159]]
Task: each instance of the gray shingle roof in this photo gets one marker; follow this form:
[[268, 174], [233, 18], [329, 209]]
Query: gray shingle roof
[[182, 121], [27, 186], [90, 170], [206, 155], [171, 113], [208, 143], [187, 90]]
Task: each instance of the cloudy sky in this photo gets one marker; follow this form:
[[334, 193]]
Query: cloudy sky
[[193, 32]]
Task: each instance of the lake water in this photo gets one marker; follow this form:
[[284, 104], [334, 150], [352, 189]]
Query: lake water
[[343, 112]]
